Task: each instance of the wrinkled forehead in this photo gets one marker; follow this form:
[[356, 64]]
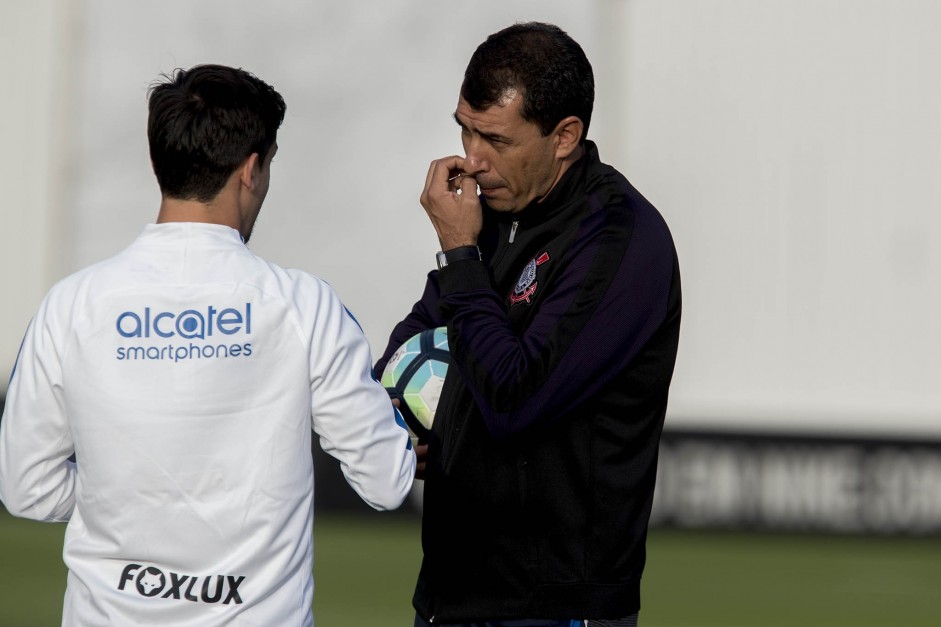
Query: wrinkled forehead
[[506, 112]]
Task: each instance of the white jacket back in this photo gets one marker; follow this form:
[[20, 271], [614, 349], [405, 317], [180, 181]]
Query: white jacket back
[[186, 375]]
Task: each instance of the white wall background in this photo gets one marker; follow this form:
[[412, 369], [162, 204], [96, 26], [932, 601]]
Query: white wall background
[[795, 146], [792, 145], [36, 127]]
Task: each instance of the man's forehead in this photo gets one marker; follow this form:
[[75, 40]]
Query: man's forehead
[[505, 112]]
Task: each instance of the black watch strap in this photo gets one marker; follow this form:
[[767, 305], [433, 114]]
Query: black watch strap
[[461, 253]]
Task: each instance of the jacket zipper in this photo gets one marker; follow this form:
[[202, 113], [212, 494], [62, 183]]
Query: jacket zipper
[[515, 224]]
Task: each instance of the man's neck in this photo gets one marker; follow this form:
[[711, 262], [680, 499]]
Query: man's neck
[[577, 154], [214, 212]]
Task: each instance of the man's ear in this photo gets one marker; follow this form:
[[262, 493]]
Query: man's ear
[[568, 133], [248, 171]]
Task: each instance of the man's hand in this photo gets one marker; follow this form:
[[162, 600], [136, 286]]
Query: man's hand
[[421, 452], [450, 200]]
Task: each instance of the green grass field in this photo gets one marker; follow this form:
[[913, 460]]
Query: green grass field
[[365, 569]]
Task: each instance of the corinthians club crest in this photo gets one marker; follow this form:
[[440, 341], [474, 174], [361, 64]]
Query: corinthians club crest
[[527, 283]]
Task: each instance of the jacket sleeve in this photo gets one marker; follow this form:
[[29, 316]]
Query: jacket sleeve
[[424, 315], [352, 413], [611, 296], [37, 479]]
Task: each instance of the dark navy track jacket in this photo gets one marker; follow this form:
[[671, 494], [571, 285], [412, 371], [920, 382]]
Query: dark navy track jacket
[[543, 453]]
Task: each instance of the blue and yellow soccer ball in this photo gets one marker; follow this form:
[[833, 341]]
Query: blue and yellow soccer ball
[[415, 375]]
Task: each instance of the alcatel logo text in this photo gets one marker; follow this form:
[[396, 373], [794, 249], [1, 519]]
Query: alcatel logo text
[[189, 324]]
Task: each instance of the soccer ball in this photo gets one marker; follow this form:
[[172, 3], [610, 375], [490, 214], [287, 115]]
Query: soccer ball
[[415, 374]]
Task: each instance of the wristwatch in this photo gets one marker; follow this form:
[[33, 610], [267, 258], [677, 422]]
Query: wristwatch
[[460, 253]]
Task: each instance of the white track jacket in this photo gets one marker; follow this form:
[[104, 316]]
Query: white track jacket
[[186, 374]]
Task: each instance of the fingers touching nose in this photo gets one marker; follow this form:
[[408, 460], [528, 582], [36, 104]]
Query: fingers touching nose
[[474, 163]]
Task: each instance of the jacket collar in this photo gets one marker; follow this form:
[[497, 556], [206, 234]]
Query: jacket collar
[[560, 198]]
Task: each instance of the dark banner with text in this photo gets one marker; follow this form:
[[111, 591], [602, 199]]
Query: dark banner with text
[[724, 480]]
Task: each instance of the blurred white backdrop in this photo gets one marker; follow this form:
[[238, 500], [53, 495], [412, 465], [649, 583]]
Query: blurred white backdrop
[[792, 145]]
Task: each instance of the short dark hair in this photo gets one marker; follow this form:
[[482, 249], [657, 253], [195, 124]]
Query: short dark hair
[[205, 121], [540, 60]]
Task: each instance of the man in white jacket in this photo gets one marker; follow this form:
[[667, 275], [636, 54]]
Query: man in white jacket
[[163, 401]]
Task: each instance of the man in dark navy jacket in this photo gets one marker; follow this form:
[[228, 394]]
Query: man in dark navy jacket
[[560, 289]]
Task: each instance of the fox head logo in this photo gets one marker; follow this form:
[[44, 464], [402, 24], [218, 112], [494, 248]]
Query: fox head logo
[[150, 582]]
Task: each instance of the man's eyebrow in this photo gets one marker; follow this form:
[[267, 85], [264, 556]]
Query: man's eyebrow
[[488, 136]]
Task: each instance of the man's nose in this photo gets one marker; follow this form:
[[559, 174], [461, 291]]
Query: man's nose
[[474, 161]]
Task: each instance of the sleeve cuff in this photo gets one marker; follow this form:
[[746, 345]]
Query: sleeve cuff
[[468, 274]]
